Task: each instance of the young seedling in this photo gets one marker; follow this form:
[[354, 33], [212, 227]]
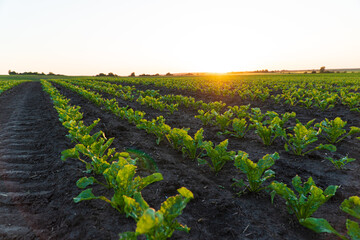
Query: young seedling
[[334, 131], [340, 163], [223, 120], [240, 111], [239, 128], [218, 155], [176, 137], [257, 173], [120, 176], [206, 117], [268, 133], [304, 136], [156, 225], [309, 197], [191, 145], [156, 126], [256, 115], [321, 225]]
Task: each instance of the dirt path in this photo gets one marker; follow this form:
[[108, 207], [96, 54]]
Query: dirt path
[[22, 167], [36, 188]]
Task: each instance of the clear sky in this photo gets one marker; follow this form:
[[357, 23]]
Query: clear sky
[[86, 37]]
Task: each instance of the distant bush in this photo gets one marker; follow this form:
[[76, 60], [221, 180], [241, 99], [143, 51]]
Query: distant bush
[[110, 74]]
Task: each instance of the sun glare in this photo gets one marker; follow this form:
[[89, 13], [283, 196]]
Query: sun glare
[[211, 66]]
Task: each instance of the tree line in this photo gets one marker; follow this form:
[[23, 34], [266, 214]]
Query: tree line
[[33, 73]]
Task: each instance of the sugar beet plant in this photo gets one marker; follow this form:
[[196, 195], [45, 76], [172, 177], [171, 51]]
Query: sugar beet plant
[[308, 199], [156, 225], [268, 133], [333, 130], [340, 163], [206, 117], [218, 155], [302, 138], [223, 120], [239, 128], [256, 173], [157, 126], [192, 147], [321, 225], [120, 176], [176, 137], [240, 111], [270, 126]]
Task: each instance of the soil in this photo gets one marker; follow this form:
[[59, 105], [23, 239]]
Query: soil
[[45, 209]]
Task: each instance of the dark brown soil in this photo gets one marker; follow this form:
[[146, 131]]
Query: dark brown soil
[[216, 212]]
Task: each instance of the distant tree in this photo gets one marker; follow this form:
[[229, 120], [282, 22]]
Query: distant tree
[[157, 75], [132, 74], [313, 71], [322, 69], [168, 74], [110, 74], [51, 74], [101, 75], [12, 72]]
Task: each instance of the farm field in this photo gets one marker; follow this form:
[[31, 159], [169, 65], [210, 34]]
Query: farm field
[[158, 121]]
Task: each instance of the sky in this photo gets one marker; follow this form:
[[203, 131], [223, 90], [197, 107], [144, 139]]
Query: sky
[[86, 37]]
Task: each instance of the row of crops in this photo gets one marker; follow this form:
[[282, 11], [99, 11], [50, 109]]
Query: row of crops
[[300, 138], [6, 85], [118, 172], [322, 91]]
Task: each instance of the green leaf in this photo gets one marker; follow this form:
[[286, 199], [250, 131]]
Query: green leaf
[[330, 190], [268, 174], [353, 229], [147, 221], [354, 130], [85, 181], [351, 206], [85, 195], [135, 207], [69, 153], [125, 176], [128, 236], [329, 147], [309, 198], [318, 225], [201, 161], [150, 179], [185, 193]]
